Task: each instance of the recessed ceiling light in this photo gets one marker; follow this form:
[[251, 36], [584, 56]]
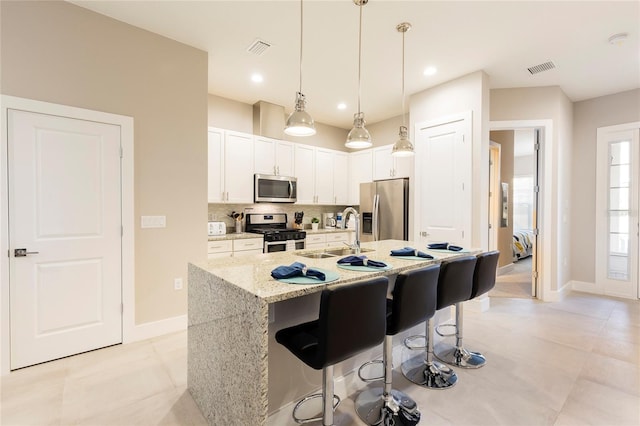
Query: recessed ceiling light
[[430, 71], [618, 39], [342, 105], [257, 78]]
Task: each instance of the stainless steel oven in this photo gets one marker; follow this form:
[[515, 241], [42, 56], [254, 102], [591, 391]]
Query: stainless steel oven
[[276, 236]]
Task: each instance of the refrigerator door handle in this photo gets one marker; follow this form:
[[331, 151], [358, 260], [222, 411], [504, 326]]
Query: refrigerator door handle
[[376, 216]]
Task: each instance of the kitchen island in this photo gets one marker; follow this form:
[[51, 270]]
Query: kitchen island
[[237, 374]]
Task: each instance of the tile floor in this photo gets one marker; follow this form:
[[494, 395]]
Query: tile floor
[[574, 362], [516, 283]]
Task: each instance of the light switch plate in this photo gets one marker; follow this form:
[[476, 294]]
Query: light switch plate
[[153, 222]]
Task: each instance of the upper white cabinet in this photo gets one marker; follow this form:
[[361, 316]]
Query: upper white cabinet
[[216, 191], [230, 176], [341, 178], [385, 166], [304, 171], [273, 157], [322, 175], [360, 171]]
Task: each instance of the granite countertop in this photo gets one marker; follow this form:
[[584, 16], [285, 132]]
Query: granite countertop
[[253, 273], [246, 235]]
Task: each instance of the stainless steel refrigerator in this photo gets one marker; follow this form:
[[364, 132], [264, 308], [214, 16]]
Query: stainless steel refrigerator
[[384, 210]]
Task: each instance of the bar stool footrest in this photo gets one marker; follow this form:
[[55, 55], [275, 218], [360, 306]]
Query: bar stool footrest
[[307, 399], [443, 334], [408, 340], [370, 379]]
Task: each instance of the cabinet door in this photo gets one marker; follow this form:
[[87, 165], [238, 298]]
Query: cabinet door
[[324, 176], [305, 172], [403, 166], [360, 171], [215, 168], [341, 178], [284, 158], [382, 163], [238, 166], [264, 155]]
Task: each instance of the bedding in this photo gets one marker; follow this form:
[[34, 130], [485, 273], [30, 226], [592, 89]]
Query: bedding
[[522, 244]]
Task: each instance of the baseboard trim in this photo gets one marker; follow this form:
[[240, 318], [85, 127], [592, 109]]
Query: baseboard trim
[[506, 269], [585, 287], [557, 295], [152, 329]]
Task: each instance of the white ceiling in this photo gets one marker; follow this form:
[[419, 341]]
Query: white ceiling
[[503, 38]]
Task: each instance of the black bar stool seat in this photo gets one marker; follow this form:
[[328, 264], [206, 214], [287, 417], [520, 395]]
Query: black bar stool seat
[[351, 320]]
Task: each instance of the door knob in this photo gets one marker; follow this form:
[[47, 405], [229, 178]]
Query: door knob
[[22, 252]]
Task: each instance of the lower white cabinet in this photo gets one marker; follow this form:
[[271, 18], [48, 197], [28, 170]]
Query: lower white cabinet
[[314, 241], [337, 238], [227, 248], [247, 246], [219, 248], [330, 239]]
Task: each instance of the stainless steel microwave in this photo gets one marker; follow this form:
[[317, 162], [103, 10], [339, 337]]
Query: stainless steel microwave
[[275, 189]]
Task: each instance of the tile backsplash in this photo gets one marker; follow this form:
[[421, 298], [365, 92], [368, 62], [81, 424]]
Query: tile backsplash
[[220, 212]]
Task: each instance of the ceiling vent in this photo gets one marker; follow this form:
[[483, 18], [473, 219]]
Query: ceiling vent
[[542, 67], [258, 47]]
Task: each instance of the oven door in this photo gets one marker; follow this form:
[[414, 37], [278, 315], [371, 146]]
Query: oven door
[[274, 246], [295, 245], [275, 189]]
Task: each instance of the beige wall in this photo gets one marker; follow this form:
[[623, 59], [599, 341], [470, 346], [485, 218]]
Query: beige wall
[[505, 235], [547, 103], [386, 132], [467, 93], [604, 111], [57, 52], [233, 115]]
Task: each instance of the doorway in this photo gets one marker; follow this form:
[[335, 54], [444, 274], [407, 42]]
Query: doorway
[[514, 209]]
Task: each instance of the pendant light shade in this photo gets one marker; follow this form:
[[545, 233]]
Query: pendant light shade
[[403, 146], [299, 122], [359, 137]]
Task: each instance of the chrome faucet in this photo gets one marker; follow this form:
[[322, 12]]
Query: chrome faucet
[[354, 212]]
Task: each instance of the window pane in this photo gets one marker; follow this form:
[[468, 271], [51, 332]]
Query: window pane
[[619, 199], [620, 152], [618, 244], [619, 222], [620, 176], [618, 267]]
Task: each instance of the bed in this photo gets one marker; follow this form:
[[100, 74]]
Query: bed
[[522, 244]]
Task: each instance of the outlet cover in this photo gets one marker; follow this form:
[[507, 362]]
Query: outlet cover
[[177, 284]]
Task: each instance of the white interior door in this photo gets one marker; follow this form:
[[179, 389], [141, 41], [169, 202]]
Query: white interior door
[[443, 170], [617, 223], [65, 212]]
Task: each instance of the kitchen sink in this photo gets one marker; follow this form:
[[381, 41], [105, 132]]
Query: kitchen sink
[[332, 253], [345, 251], [317, 255]]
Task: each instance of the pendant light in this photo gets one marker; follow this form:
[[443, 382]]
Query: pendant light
[[403, 146], [300, 122], [359, 137]]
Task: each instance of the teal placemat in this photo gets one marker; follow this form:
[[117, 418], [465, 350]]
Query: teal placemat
[[414, 257], [364, 268], [329, 277]]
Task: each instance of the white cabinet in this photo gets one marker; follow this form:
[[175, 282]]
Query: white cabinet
[[216, 191], [341, 178], [322, 175], [314, 241], [273, 157], [385, 166], [304, 161], [360, 171], [219, 248], [338, 238], [230, 166], [247, 246]]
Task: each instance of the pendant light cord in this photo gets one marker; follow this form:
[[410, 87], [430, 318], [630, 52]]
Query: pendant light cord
[[301, 28], [403, 114], [359, 56]]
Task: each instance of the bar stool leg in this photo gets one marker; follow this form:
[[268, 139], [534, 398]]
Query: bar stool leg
[[330, 401], [375, 404], [457, 355], [429, 373]]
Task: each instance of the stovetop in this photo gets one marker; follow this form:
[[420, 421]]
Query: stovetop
[[280, 234], [273, 226]]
